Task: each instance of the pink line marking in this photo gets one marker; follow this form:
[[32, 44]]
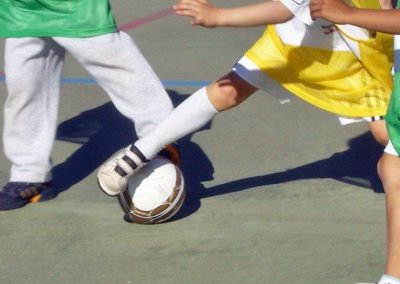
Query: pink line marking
[[147, 19]]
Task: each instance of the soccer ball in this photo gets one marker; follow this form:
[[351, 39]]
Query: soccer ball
[[155, 193]]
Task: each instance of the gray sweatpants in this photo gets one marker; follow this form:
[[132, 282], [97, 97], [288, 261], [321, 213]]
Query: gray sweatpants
[[33, 68]]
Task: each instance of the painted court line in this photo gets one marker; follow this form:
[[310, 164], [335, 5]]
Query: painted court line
[[166, 83], [145, 20], [126, 27]]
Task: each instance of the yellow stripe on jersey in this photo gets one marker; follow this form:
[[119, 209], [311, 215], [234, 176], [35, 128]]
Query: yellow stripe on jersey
[[336, 81]]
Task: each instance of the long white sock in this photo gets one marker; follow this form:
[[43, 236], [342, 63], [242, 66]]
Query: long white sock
[[387, 279], [189, 116]]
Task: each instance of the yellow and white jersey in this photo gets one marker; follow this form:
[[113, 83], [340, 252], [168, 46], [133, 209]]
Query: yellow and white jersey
[[341, 69]]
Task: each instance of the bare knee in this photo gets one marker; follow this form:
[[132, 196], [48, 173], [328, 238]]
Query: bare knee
[[229, 91], [388, 170], [223, 97]]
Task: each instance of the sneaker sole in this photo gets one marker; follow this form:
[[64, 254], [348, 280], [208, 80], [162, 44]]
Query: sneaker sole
[[45, 195], [105, 190], [36, 199]]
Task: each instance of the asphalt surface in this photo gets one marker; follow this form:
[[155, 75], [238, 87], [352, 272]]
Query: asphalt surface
[[275, 193]]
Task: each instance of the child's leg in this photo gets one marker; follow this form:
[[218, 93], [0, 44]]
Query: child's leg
[[196, 111], [189, 116], [388, 169], [379, 131], [33, 69], [121, 70]]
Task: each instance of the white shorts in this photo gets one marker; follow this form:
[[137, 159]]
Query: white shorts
[[250, 72], [390, 149]]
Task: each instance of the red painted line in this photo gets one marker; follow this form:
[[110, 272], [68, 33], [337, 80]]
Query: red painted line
[[138, 22], [145, 20]]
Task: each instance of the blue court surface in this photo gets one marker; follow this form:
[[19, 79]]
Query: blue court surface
[[275, 193]]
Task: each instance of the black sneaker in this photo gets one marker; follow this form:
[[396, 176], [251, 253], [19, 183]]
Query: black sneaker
[[17, 194]]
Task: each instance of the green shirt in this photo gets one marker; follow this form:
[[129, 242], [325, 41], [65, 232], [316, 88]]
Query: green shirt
[[64, 18], [392, 117]]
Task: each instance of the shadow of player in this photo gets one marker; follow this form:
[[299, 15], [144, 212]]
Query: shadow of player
[[103, 130], [356, 166]]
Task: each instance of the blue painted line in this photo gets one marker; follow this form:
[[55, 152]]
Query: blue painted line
[[78, 81], [166, 83], [175, 83]]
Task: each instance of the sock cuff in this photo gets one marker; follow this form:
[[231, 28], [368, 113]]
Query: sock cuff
[[388, 279], [202, 96]]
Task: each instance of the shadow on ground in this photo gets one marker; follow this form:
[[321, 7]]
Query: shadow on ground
[[103, 130], [355, 166]]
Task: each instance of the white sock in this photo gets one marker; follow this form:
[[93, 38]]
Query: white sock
[[387, 279], [189, 116]]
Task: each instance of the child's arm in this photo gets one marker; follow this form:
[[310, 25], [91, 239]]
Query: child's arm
[[206, 15], [387, 21]]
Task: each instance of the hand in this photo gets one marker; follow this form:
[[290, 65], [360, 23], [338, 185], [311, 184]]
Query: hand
[[201, 12], [335, 11]]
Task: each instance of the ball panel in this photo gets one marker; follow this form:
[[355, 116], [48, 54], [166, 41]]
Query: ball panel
[[173, 210], [153, 184]]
